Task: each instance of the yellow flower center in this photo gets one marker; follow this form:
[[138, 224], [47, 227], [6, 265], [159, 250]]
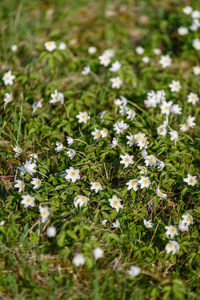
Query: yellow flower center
[[143, 170], [126, 159], [73, 173], [115, 202], [145, 181], [133, 182], [191, 180], [83, 199], [188, 219], [96, 184]]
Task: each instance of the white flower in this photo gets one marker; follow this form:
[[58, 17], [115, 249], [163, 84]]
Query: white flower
[[143, 170], [116, 224], [193, 27], [72, 174], [157, 51], [196, 70], [144, 153], [123, 110], [150, 160], [20, 185], [124, 100], [104, 132], [27, 167], [28, 201], [196, 44], [191, 180], [59, 146], [174, 135], [33, 156], [116, 82], [131, 114], [193, 98], [175, 86], [2, 223], [80, 200], [195, 14], [109, 52], [104, 60], [188, 219], [104, 222], [37, 104], [14, 48], [132, 184], [182, 226], [50, 46], [183, 31], [175, 109], [117, 102], [102, 113], [171, 231], [115, 67], [114, 143], [96, 186], [92, 50], [70, 140], [8, 78], [160, 194], [190, 122], [71, 153], [165, 61], [146, 59], [115, 203], [96, 133], [160, 164], [78, 260], [144, 182], [36, 182], [83, 117], [57, 97], [187, 10], [184, 127], [134, 271], [148, 224], [119, 127], [126, 160], [8, 98], [44, 213], [139, 50], [162, 130], [98, 253], [86, 70], [173, 247], [142, 143], [166, 107], [18, 151], [131, 140], [139, 136], [62, 46], [51, 231]]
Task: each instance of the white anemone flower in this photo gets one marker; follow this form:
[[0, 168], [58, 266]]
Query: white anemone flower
[[86, 70], [126, 160], [71, 153], [8, 78], [116, 224], [70, 140], [98, 253], [165, 61], [182, 226], [171, 231], [50, 46], [28, 167], [132, 184], [72, 174], [115, 67], [36, 182], [148, 224], [144, 182], [18, 151], [188, 219], [134, 271], [116, 82], [96, 134], [28, 201], [83, 117], [20, 185], [115, 203], [8, 98], [173, 247], [193, 98], [51, 231], [44, 213], [191, 180], [78, 260], [59, 147], [160, 194], [96, 186], [104, 132]]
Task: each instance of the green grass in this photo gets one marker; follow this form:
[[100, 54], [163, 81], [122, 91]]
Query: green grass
[[33, 266]]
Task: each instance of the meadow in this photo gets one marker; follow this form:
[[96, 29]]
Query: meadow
[[100, 149]]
